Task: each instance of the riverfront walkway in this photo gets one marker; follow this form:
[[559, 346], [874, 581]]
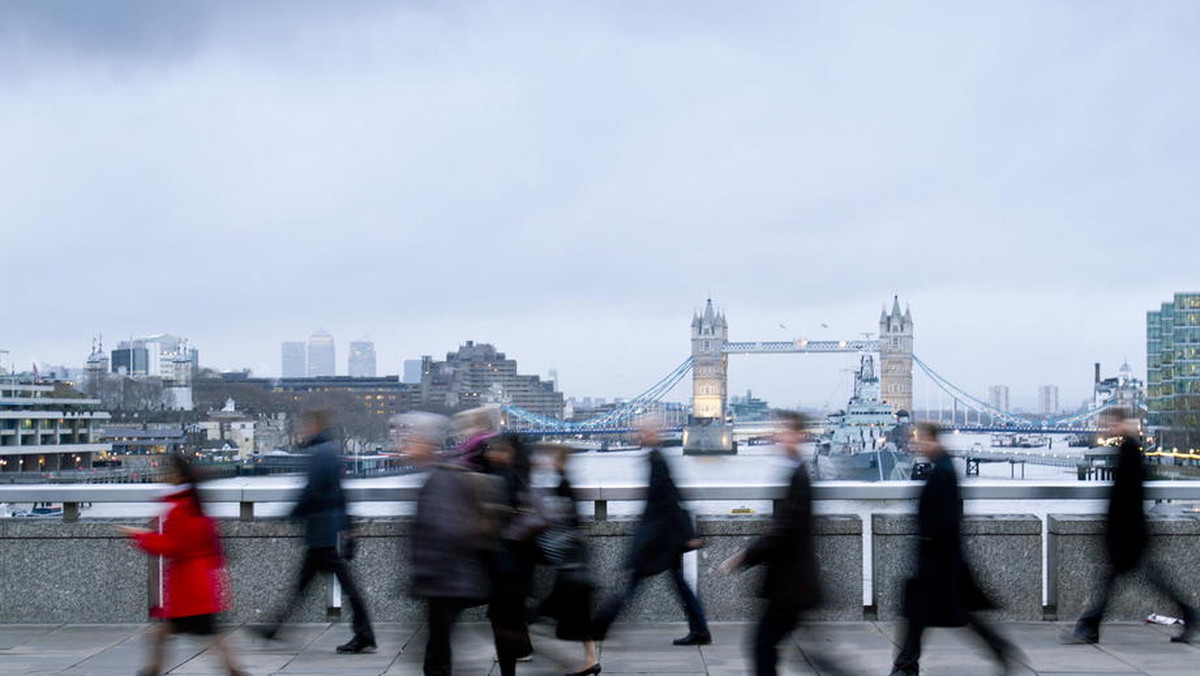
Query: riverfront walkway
[[864, 647]]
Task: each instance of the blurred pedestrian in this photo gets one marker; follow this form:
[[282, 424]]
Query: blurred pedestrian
[[454, 536], [507, 458], [660, 539], [327, 532], [792, 583], [944, 592], [565, 547], [1125, 535], [195, 585]]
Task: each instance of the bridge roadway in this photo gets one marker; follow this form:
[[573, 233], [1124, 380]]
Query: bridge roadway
[[1127, 649]]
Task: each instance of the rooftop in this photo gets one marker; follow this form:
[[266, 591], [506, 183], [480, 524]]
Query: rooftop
[[863, 648]]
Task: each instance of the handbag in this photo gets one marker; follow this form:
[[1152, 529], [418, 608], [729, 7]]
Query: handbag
[[530, 519], [557, 543]]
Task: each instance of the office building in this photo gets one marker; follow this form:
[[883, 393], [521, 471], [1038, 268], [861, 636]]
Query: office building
[[998, 397], [48, 428], [322, 357], [1047, 396], [412, 372], [477, 375], [295, 360], [1173, 372], [362, 359]]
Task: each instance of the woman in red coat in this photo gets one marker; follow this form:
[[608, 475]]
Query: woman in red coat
[[194, 583]]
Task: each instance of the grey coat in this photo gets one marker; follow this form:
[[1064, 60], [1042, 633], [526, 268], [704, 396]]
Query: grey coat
[[452, 536]]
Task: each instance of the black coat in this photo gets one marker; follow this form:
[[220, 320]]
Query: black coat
[[1125, 535], [322, 503], [944, 590], [792, 580], [659, 538], [452, 539]]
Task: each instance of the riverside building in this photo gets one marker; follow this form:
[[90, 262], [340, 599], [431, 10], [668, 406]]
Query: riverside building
[[1173, 372], [44, 430]]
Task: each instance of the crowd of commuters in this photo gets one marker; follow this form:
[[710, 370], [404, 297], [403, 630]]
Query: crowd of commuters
[[481, 530]]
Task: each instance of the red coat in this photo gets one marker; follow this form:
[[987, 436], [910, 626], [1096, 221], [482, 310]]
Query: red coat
[[194, 576]]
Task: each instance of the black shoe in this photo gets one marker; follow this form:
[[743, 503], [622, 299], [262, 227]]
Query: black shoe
[[357, 645], [695, 638], [1079, 636], [266, 632], [901, 672], [590, 671]]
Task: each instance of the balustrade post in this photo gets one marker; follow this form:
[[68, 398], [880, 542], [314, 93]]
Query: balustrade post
[[70, 512], [246, 511], [601, 510]]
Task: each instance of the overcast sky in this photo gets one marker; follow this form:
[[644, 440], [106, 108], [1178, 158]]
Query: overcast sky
[[570, 180]]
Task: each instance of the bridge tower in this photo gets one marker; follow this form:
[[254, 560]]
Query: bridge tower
[[896, 356], [708, 432]]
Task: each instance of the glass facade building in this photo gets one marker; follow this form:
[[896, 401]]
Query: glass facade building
[[1173, 372]]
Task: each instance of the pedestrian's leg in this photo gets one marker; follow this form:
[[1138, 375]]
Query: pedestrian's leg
[[908, 660], [226, 654], [158, 648], [697, 624], [1088, 626], [361, 621], [440, 616], [308, 570], [613, 607], [771, 629], [821, 661], [1000, 646], [589, 654]]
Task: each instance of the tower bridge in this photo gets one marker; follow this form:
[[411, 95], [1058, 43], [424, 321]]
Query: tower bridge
[[709, 428]]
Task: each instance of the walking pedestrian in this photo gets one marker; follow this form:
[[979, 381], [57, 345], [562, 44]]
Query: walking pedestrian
[[195, 585], [944, 592], [454, 536], [1125, 536], [327, 532], [570, 601], [507, 458], [660, 539], [792, 583]]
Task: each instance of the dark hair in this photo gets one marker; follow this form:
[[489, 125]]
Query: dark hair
[[321, 418], [793, 420], [188, 473], [931, 430], [522, 461], [1117, 414]]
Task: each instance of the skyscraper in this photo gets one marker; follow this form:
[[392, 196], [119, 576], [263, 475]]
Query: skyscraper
[[1048, 400], [322, 357], [412, 372], [295, 360], [998, 397], [362, 359], [1173, 372]]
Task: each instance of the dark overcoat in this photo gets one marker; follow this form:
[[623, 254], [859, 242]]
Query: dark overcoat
[[944, 590], [449, 550], [322, 503], [1125, 535], [665, 527], [788, 550]]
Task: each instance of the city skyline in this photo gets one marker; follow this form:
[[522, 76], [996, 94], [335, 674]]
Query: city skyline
[[570, 182]]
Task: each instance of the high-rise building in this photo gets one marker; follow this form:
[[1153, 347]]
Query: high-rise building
[[412, 372], [998, 397], [322, 357], [1173, 372], [477, 375], [362, 359], [295, 360], [1047, 400], [896, 357]]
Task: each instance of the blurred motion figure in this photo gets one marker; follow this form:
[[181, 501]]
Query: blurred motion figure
[[195, 585], [944, 592], [662, 536], [792, 583], [1125, 535], [327, 532]]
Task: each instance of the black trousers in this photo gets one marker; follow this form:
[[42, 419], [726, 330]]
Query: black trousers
[[1089, 622], [327, 560], [691, 603], [772, 628], [440, 616], [908, 659]]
